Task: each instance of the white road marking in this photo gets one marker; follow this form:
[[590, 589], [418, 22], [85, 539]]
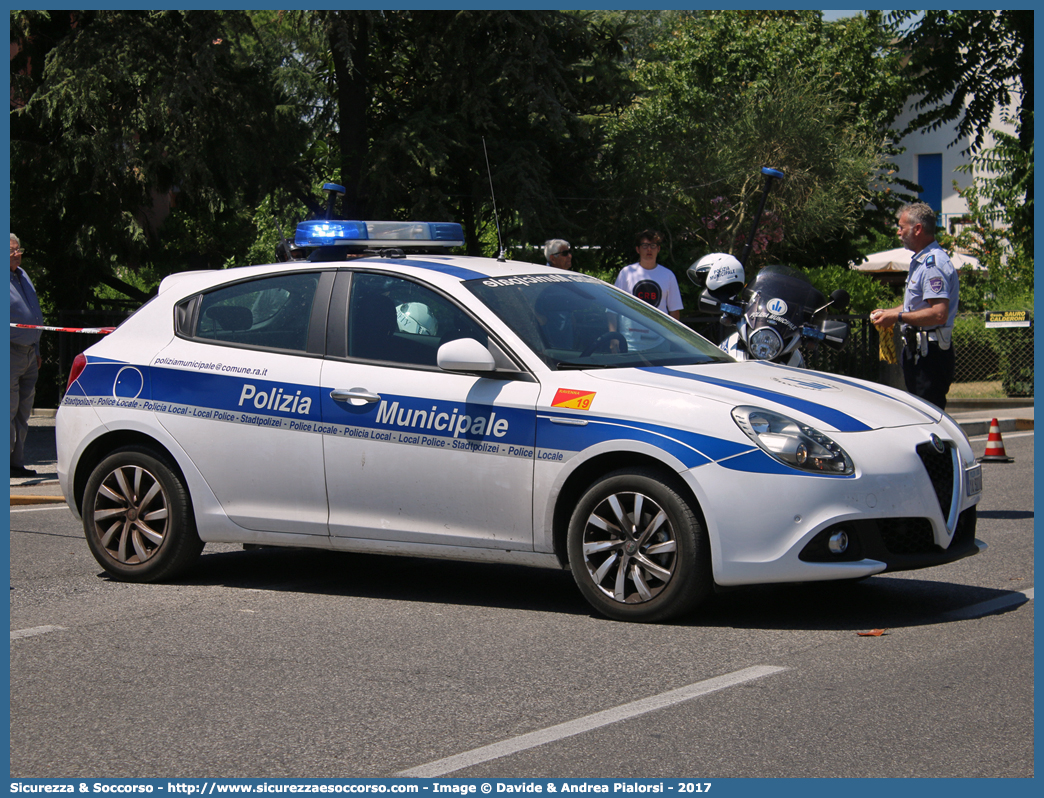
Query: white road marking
[[35, 509], [441, 767], [36, 630], [986, 607]]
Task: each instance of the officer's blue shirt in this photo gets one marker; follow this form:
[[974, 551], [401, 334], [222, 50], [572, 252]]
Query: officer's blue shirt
[[25, 308], [932, 276]]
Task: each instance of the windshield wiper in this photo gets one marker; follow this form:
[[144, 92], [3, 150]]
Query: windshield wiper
[[565, 365]]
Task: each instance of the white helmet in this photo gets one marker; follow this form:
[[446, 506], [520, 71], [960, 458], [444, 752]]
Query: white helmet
[[414, 317], [723, 270]]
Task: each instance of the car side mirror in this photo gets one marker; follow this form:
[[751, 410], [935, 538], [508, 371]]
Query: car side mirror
[[465, 354]]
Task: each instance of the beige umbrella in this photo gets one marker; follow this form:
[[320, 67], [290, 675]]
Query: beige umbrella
[[898, 260]]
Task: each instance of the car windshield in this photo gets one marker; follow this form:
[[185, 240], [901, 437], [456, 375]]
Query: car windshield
[[573, 321]]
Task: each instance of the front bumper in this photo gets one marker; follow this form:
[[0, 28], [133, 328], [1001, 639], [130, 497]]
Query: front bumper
[[902, 544], [910, 505]]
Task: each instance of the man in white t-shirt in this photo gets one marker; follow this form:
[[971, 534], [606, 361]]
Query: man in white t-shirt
[[651, 282]]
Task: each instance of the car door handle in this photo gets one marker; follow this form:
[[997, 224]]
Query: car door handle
[[354, 395], [572, 422]]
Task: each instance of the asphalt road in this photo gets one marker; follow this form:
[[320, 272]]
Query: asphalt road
[[311, 664]]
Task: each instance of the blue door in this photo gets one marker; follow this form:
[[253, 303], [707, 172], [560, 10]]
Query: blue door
[[929, 175]]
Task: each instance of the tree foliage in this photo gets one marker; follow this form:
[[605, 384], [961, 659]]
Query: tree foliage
[[445, 88], [1000, 202], [595, 125], [120, 113], [968, 63], [730, 92]]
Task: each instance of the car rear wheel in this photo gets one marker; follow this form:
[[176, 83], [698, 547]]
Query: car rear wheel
[[137, 517], [636, 548]]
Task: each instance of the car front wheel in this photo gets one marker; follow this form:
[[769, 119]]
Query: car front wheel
[[636, 548], [137, 517]]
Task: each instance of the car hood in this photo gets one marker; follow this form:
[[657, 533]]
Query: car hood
[[828, 400]]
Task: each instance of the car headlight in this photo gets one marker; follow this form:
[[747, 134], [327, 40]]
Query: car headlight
[[765, 344], [793, 443]]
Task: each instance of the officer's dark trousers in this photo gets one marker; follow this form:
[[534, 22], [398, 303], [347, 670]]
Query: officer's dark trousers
[[930, 377]]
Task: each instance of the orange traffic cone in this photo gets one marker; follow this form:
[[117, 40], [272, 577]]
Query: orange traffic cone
[[995, 447]]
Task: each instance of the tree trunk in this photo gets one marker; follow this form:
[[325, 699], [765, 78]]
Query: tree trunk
[[353, 104]]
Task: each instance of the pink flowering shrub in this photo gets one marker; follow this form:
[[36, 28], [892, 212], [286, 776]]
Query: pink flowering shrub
[[722, 220]]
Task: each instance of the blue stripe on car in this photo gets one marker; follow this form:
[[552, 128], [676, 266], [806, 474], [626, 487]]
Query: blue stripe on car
[[689, 447], [186, 389], [838, 420]]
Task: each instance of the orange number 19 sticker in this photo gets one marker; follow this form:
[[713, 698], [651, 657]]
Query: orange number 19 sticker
[[576, 400]]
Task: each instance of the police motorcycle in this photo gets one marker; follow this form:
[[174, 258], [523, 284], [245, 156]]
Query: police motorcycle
[[776, 312]]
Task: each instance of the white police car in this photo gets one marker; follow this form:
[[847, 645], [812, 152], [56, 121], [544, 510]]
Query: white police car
[[425, 404]]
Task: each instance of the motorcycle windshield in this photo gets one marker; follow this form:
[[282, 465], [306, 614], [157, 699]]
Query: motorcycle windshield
[[782, 298]]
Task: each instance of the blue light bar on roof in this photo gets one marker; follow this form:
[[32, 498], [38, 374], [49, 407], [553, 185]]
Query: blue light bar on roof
[[343, 232]]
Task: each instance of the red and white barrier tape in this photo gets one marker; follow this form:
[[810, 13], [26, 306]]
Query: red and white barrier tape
[[88, 330]]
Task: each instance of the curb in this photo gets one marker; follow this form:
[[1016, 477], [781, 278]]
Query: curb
[[20, 500], [974, 428]]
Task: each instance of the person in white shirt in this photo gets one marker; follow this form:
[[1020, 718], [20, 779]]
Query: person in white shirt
[[651, 282]]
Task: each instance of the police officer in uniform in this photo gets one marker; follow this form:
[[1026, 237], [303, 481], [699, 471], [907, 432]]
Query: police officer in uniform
[[929, 307]]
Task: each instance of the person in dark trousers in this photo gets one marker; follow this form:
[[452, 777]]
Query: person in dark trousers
[[25, 357], [929, 308]]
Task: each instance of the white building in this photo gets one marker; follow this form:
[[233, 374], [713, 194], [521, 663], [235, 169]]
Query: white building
[[932, 162]]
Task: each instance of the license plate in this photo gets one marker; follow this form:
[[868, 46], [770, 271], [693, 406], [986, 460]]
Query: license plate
[[973, 479]]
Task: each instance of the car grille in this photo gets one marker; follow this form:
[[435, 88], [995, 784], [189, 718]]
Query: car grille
[[908, 536], [940, 472]]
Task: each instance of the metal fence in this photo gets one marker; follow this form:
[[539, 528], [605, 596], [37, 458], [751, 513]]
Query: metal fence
[[992, 363]]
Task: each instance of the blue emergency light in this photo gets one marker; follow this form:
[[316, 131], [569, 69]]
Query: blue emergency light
[[344, 232]]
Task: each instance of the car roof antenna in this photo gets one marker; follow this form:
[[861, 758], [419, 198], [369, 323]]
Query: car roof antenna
[[496, 218]]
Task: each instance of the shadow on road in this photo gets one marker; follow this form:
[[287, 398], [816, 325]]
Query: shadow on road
[[880, 602]]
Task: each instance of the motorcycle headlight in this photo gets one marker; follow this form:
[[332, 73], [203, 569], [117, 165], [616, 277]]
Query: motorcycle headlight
[[793, 443], [765, 344]]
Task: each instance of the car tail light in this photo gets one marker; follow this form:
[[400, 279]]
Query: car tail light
[[78, 365]]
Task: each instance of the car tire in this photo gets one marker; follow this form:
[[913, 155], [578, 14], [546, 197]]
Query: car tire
[[138, 518], [652, 568]]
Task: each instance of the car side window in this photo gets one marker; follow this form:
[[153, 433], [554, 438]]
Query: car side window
[[272, 312], [399, 321]]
